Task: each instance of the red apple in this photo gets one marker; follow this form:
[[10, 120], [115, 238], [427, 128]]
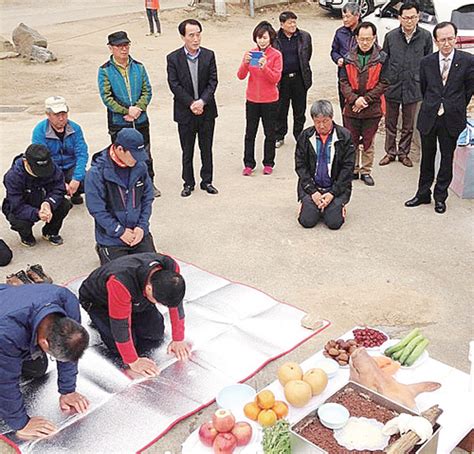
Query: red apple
[[242, 431], [223, 420], [224, 443], [207, 433]]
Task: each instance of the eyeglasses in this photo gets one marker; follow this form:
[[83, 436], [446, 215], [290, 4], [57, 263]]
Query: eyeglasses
[[451, 39], [409, 18], [365, 40]]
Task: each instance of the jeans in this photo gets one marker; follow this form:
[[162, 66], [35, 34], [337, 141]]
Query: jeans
[[152, 14], [267, 112]]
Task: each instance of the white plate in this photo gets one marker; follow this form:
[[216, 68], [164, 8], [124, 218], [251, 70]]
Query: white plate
[[423, 357]]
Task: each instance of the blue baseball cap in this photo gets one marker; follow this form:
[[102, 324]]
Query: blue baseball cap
[[131, 140]]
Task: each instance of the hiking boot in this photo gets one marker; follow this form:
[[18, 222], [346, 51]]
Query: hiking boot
[[37, 274], [55, 240]]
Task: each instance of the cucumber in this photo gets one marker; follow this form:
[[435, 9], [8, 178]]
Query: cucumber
[[409, 348], [396, 356], [403, 343], [416, 353]]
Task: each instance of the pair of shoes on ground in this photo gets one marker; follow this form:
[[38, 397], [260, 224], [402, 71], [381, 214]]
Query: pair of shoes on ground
[[365, 177], [388, 158], [267, 170], [30, 240], [208, 187], [153, 34], [440, 207], [34, 274]]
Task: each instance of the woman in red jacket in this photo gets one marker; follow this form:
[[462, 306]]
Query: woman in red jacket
[[264, 64]]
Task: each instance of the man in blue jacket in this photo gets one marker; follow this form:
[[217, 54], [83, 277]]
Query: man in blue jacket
[[35, 320], [119, 195], [65, 140], [126, 92], [35, 192]]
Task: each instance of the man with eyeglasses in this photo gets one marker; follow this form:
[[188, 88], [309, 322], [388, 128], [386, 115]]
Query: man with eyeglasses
[[126, 92], [447, 84], [405, 47], [363, 83]]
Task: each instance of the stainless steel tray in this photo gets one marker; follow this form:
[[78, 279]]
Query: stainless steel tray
[[301, 445]]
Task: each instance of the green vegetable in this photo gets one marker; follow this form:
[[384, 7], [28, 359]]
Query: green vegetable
[[276, 439], [403, 343], [396, 356], [410, 347], [415, 354]]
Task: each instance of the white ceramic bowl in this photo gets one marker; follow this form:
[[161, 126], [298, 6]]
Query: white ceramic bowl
[[329, 366], [234, 397], [333, 416]]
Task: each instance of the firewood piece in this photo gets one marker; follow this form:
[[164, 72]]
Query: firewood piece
[[409, 440]]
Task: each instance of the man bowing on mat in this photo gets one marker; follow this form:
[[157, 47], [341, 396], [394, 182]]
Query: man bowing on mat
[[121, 298]]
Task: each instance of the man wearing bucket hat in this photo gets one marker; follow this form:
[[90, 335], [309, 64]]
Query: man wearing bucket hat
[[126, 92], [119, 195], [35, 191], [65, 140]]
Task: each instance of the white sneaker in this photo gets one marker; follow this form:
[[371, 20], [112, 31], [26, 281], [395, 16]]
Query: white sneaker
[[149, 34], [279, 143], [157, 34]]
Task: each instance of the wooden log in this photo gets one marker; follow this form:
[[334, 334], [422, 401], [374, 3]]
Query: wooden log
[[409, 440]]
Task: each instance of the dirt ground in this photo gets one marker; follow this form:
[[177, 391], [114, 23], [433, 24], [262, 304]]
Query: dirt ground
[[388, 266]]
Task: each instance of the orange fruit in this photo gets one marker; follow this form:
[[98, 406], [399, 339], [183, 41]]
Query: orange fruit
[[280, 408], [265, 399], [267, 418], [251, 410]]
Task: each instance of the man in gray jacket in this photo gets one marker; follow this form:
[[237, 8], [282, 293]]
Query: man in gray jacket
[[405, 47]]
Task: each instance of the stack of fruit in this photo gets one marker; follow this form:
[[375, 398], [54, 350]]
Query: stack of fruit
[[409, 349], [299, 387], [223, 433], [265, 409]]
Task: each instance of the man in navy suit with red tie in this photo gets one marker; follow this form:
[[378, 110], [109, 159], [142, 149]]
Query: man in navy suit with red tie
[[447, 84]]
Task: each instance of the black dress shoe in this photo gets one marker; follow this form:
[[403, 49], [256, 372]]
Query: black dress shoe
[[440, 207], [415, 201], [186, 192], [367, 179], [209, 188]]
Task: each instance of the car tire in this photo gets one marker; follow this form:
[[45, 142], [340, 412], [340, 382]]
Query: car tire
[[366, 7]]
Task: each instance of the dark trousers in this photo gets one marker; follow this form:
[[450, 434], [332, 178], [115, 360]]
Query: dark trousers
[[25, 228], [108, 253], [35, 368], [152, 15], [144, 129], [342, 100], [332, 216], [291, 89], [447, 145], [147, 327], [204, 130], [253, 112], [68, 177], [391, 123]]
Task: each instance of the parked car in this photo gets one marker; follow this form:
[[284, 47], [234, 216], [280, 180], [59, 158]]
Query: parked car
[[432, 12], [366, 6]]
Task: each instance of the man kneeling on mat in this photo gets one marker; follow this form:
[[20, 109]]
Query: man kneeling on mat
[[120, 298], [324, 160], [35, 320]]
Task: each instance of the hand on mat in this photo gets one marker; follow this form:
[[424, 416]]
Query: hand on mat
[[37, 427], [145, 366], [74, 401], [181, 349], [138, 232]]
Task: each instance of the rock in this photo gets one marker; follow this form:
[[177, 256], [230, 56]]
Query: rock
[[5, 45], [203, 15], [25, 37], [41, 55], [11, 54]]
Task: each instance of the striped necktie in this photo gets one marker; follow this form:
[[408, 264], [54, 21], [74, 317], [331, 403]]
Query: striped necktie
[[444, 78]]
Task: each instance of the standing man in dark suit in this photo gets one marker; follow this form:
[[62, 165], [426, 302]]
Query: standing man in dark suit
[[447, 84], [192, 77], [296, 79]]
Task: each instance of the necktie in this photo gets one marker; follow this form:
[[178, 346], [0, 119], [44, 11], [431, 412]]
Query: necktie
[[444, 78]]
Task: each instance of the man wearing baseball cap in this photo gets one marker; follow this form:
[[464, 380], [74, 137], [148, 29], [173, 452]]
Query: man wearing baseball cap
[[119, 195], [65, 140], [35, 191], [126, 92]]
